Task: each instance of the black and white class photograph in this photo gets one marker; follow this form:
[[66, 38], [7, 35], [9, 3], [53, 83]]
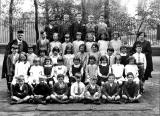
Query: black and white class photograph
[[79, 57]]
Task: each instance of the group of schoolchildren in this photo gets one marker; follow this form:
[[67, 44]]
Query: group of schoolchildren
[[78, 71]]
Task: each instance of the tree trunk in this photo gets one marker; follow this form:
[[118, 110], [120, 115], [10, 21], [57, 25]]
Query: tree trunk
[[84, 18], [106, 11], [36, 19], [10, 20], [47, 12]]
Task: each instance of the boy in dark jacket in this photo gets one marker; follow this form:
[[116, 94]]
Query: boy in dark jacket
[[41, 91], [130, 90], [19, 91], [110, 90], [60, 90], [92, 92]]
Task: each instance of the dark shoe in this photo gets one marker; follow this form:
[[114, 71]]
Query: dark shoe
[[43, 102], [13, 102], [97, 102]]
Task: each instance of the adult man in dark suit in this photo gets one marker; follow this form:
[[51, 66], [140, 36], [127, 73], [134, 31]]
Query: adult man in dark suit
[[78, 26], [22, 47]]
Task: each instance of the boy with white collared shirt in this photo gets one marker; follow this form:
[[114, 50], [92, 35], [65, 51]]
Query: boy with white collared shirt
[[77, 89], [140, 61]]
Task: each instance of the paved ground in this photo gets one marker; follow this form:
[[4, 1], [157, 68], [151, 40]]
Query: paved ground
[[149, 105]]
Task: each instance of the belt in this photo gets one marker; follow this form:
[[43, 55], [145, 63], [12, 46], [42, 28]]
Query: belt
[[140, 63]]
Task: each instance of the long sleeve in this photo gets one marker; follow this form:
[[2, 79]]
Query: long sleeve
[[70, 72], [145, 62], [104, 87], [66, 90], [16, 69], [99, 74], [136, 90], [72, 90], [125, 91]]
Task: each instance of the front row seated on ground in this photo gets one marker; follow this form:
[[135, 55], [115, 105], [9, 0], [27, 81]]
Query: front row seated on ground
[[42, 93]]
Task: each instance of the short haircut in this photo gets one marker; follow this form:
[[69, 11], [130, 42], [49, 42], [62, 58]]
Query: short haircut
[[110, 49], [60, 75], [92, 57], [103, 58], [84, 47], [138, 45], [130, 73], [55, 49], [96, 45], [123, 47], [140, 33], [76, 58], [60, 59], [111, 74], [42, 32], [132, 58]]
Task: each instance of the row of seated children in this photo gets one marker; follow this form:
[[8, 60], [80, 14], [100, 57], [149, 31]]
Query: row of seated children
[[109, 92]]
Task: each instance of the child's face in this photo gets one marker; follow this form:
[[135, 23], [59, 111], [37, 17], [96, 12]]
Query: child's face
[[92, 61], [101, 19], [93, 81], [81, 49], [131, 61], [60, 79], [138, 49], [130, 78], [37, 63], [43, 36], [67, 38], [66, 17], [14, 50], [111, 79], [76, 62], [123, 50], [110, 53], [103, 36], [78, 36], [104, 61], [55, 53], [21, 82], [94, 49], [90, 37], [115, 36], [55, 37], [41, 81], [69, 50], [78, 79], [48, 62], [118, 59], [60, 62], [23, 57], [42, 53], [30, 50]]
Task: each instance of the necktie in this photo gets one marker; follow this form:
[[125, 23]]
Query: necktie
[[78, 89], [138, 58], [109, 60]]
